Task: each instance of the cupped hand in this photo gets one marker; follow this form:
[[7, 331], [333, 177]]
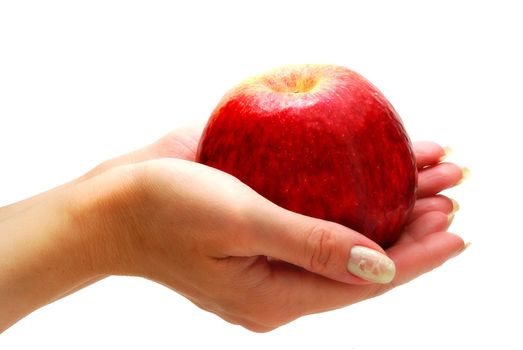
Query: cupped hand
[[211, 238]]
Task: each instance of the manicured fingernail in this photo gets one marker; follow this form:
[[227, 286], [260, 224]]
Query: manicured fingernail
[[448, 151], [465, 247], [465, 174], [450, 218], [455, 206], [371, 265]]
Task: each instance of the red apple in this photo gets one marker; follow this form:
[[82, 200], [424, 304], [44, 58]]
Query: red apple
[[319, 140]]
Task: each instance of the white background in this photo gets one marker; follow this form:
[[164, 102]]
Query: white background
[[82, 81]]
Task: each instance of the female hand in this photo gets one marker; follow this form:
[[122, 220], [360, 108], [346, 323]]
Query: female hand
[[206, 235], [219, 234]]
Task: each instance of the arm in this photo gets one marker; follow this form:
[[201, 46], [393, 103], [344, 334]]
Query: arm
[[42, 257], [45, 251]]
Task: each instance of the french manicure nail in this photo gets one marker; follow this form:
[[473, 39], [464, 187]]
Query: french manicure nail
[[465, 247], [455, 206], [371, 265], [450, 218], [448, 151], [465, 174]]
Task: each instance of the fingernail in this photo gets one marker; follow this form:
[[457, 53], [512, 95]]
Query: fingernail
[[371, 265], [450, 218], [448, 151], [465, 174], [455, 206], [465, 247]]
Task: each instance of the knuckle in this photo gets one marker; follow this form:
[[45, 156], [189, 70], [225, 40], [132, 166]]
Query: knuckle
[[320, 248]]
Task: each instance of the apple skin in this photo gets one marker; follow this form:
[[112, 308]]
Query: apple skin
[[319, 140]]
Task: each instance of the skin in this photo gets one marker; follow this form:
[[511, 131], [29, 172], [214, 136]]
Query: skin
[[157, 214]]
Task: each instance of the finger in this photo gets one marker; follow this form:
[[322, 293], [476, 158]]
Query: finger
[[423, 255], [428, 153], [180, 143], [430, 222], [438, 178], [319, 246], [433, 203]]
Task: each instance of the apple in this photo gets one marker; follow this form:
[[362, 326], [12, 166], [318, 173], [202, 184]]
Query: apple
[[319, 140]]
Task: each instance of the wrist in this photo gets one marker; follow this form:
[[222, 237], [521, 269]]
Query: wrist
[[102, 210], [43, 257]]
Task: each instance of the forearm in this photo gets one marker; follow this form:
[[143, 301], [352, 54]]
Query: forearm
[[43, 257]]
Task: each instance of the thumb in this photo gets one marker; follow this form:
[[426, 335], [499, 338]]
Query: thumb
[[319, 246]]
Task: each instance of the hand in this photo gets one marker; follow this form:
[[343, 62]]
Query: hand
[[140, 217], [206, 235]]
